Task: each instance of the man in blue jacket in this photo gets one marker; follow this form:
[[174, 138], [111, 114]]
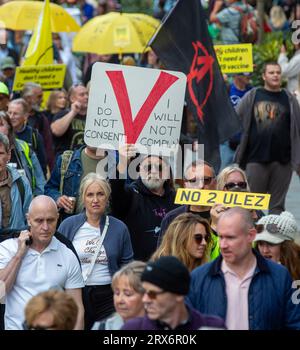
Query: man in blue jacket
[[242, 287]]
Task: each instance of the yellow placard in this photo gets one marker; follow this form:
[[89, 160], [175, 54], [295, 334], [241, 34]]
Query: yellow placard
[[49, 76], [209, 198], [235, 58]]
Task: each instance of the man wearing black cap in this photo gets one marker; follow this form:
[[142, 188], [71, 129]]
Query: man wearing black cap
[[166, 281]]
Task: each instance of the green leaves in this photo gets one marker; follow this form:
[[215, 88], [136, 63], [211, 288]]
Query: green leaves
[[268, 51]]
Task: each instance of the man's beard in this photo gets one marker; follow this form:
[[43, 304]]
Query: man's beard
[[36, 107], [153, 184]]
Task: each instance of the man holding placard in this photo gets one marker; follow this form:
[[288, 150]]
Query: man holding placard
[[143, 204], [246, 290], [199, 175]]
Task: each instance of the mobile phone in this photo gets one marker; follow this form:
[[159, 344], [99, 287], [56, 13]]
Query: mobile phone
[[28, 240]]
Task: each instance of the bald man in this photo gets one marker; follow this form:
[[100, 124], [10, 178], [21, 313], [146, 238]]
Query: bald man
[[37, 261]]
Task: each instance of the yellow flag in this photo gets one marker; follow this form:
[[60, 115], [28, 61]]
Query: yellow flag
[[40, 48]]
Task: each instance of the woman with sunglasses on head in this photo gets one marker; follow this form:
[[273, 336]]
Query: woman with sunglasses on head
[[231, 178], [187, 238], [128, 295], [275, 240]]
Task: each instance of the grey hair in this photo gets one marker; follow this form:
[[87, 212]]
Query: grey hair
[[5, 142], [133, 271], [37, 198], [28, 87], [202, 162], [90, 179], [22, 102], [244, 214]]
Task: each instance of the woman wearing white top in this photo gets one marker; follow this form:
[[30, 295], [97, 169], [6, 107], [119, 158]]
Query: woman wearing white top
[[99, 260]]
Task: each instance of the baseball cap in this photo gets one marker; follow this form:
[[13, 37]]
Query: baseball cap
[[8, 62], [4, 89], [277, 228]]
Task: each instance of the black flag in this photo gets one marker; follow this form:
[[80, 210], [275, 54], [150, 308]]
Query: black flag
[[183, 44]]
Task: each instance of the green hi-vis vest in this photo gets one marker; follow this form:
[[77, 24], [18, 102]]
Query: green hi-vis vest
[[27, 152], [215, 249]]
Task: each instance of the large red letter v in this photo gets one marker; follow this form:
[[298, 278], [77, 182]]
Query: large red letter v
[[132, 128]]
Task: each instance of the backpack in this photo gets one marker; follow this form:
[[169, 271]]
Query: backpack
[[248, 28], [65, 162], [21, 189]]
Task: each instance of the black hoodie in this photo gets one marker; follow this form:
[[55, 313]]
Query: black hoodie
[[142, 211]]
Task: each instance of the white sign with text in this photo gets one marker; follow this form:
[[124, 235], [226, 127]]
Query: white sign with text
[[135, 105]]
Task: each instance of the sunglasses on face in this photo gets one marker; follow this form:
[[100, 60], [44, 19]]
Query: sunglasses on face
[[206, 180], [271, 228], [198, 237], [152, 294], [231, 185], [151, 167]]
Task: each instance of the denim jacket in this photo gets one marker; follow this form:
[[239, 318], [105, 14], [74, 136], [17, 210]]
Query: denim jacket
[[270, 298], [72, 175], [17, 214], [71, 180]]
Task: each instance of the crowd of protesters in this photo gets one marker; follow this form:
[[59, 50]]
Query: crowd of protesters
[[80, 249]]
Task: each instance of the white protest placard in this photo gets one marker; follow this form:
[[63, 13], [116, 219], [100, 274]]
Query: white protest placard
[[135, 105]]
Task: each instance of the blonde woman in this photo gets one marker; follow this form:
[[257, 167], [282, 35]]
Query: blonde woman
[[187, 238], [128, 295], [102, 243], [57, 102]]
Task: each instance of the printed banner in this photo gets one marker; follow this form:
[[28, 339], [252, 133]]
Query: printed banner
[[135, 105], [235, 58], [209, 198], [49, 76]]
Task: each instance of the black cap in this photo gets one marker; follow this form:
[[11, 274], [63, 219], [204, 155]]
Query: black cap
[[169, 274]]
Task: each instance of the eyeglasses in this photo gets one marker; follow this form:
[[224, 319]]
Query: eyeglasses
[[231, 185], [271, 228], [150, 167], [28, 327], [152, 294], [206, 180], [198, 237]]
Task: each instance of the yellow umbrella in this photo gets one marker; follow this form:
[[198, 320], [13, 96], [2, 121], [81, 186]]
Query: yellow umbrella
[[116, 33], [24, 15]]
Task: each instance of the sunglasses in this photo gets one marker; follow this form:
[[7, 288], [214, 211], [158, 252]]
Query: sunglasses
[[150, 167], [271, 228], [198, 237], [231, 185], [206, 180], [152, 294]]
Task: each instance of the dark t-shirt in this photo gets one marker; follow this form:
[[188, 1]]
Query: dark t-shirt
[[269, 138], [73, 137]]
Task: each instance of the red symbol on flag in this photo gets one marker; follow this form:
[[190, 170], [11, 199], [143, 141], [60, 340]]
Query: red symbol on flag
[[132, 128], [205, 62]]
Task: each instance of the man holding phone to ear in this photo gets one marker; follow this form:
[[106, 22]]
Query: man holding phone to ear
[[28, 269]]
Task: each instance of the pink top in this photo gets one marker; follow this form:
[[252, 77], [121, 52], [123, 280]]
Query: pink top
[[237, 297]]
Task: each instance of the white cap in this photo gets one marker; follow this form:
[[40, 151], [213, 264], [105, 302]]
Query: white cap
[[285, 228]]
